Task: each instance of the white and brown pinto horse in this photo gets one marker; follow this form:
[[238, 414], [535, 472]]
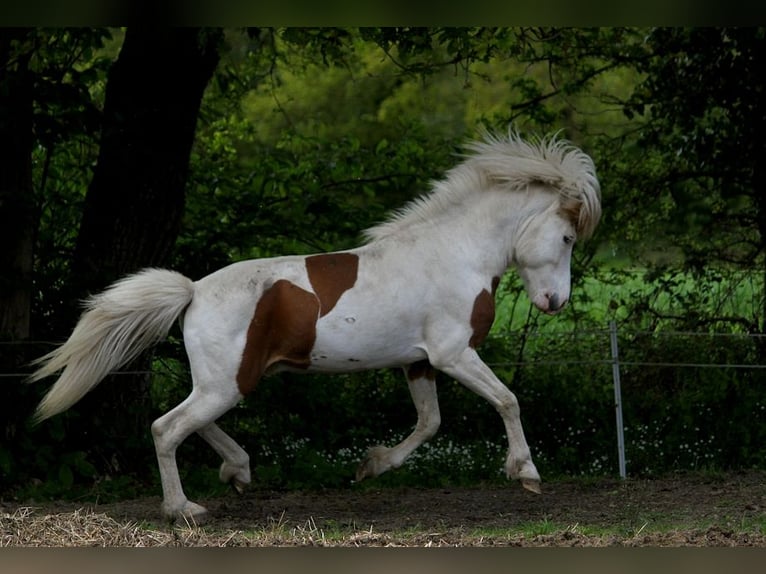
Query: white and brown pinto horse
[[418, 295]]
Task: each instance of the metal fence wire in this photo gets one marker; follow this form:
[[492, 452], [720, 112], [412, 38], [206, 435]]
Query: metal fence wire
[[614, 361], [618, 364]]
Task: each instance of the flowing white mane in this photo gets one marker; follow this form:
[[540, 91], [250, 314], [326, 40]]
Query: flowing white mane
[[514, 164]]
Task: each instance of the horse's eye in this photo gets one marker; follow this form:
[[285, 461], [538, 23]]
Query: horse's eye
[[568, 239]]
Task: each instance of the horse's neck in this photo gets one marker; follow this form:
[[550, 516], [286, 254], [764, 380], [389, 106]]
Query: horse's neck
[[478, 235], [491, 227]]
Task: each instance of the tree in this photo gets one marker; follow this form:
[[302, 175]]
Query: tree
[[133, 206], [17, 204], [135, 201], [701, 151], [44, 100]]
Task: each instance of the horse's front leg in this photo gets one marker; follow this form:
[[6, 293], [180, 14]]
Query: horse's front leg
[[474, 374], [422, 384]]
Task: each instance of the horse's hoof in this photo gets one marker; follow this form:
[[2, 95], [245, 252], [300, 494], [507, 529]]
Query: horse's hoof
[[192, 520], [190, 515], [364, 470], [238, 486], [372, 464], [235, 475], [531, 485]]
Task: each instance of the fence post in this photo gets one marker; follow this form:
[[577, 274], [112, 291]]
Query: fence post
[[617, 397]]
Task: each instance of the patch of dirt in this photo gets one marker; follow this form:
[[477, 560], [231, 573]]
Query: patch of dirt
[[725, 510]]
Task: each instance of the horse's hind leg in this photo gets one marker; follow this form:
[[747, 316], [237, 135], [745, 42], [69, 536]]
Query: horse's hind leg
[[422, 385], [235, 469], [197, 412]]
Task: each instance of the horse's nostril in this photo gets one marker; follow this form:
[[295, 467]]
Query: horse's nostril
[[553, 302]]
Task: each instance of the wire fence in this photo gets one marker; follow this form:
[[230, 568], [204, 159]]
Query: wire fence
[[615, 340], [620, 339]]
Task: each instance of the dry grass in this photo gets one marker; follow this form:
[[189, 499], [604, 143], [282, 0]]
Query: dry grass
[[35, 541], [27, 527], [84, 528]]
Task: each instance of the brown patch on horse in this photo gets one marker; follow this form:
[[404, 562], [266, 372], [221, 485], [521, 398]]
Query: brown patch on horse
[[421, 370], [283, 330], [331, 274], [483, 314]]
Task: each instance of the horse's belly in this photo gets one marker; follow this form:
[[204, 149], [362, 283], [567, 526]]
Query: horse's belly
[[343, 344]]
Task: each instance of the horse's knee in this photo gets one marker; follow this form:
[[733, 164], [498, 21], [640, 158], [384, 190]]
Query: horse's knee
[[508, 405]]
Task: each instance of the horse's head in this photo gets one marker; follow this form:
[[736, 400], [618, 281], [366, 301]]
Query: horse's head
[[543, 254]]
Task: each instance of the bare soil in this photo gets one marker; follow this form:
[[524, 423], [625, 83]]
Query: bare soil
[[720, 510]]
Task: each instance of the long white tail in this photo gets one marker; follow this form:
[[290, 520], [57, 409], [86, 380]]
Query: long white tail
[[117, 325]]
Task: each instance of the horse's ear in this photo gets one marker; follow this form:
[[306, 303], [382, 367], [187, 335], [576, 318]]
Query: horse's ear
[[583, 214], [570, 209]]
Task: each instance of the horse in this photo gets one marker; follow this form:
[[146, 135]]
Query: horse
[[417, 294]]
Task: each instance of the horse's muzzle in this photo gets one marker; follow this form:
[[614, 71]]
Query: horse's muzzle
[[550, 303]]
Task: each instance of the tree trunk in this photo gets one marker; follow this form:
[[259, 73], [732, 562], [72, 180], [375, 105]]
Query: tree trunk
[[17, 202], [133, 208], [18, 223]]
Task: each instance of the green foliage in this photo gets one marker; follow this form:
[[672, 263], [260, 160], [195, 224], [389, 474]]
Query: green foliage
[[701, 148]]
